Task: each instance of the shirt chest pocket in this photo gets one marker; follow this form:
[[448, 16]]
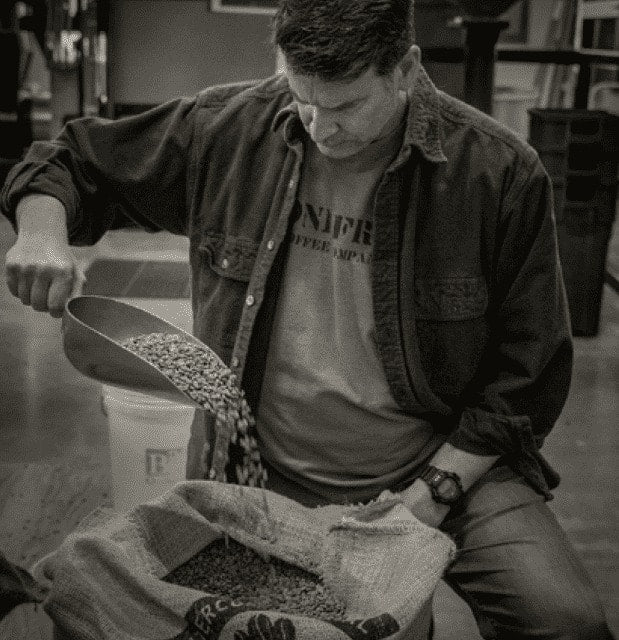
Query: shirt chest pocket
[[229, 256], [221, 277], [450, 299]]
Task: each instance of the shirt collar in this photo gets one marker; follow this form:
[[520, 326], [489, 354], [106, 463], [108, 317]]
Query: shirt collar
[[422, 127]]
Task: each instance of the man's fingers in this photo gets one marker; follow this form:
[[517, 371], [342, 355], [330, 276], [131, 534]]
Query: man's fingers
[[43, 277], [79, 278], [39, 291], [24, 285], [45, 288], [59, 293], [12, 279], [64, 289]]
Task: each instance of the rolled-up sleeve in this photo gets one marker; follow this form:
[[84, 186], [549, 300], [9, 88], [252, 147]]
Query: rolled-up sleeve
[[98, 168], [526, 373]]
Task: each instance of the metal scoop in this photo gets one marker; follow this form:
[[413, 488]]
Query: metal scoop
[[93, 327]]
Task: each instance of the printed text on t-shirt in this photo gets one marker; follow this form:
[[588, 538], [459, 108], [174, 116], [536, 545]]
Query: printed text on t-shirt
[[320, 229]]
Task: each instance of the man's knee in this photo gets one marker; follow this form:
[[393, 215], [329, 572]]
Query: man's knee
[[578, 616]]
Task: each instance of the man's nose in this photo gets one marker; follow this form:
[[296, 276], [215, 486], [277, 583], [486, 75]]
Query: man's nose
[[321, 125]]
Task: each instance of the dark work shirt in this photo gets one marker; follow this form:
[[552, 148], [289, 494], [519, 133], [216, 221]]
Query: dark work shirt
[[469, 306]]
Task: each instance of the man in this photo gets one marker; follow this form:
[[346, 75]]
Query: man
[[377, 263]]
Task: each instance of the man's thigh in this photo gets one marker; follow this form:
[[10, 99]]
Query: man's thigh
[[516, 567]]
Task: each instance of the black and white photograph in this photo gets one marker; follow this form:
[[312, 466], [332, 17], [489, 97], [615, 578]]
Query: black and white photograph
[[309, 320]]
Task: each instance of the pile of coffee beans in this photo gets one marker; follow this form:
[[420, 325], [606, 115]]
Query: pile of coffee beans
[[236, 572], [199, 372]]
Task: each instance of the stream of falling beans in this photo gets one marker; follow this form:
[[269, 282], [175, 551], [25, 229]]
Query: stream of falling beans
[[198, 371]]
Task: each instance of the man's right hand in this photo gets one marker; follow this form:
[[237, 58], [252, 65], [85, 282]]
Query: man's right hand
[[41, 269], [43, 275]]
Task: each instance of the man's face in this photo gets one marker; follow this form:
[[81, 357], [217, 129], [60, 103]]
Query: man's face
[[345, 117]]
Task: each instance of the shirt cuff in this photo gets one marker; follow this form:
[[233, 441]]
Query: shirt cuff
[[28, 180], [487, 434]]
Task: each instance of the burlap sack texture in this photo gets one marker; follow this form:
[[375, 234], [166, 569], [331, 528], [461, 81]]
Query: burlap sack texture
[[104, 581]]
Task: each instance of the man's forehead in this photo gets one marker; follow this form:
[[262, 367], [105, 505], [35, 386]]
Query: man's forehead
[[312, 88]]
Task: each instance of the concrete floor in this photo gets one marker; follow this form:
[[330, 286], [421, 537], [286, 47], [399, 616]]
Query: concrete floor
[[55, 452]]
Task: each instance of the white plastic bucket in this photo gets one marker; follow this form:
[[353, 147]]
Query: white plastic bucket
[[148, 445]]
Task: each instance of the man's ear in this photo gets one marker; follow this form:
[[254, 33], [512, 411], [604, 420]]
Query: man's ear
[[409, 67]]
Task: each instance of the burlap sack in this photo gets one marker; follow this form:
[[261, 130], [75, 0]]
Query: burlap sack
[[104, 581]]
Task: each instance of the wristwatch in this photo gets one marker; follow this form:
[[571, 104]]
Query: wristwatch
[[446, 486]]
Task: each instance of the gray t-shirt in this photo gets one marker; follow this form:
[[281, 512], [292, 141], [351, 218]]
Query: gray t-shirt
[[326, 418]]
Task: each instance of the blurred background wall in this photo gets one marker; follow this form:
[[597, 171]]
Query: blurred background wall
[[160, 49]]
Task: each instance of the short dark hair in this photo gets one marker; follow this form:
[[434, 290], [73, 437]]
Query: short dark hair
[[341, 39]]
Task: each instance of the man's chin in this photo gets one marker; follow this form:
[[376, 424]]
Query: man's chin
[[339, 152]]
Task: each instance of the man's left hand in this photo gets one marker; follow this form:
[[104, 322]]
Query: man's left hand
[[418, 499]]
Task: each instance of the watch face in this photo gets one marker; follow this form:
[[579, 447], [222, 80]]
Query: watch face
[[448, 489]]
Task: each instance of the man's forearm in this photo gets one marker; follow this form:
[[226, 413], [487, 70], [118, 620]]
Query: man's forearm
[[469, 466], [40, 214]]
